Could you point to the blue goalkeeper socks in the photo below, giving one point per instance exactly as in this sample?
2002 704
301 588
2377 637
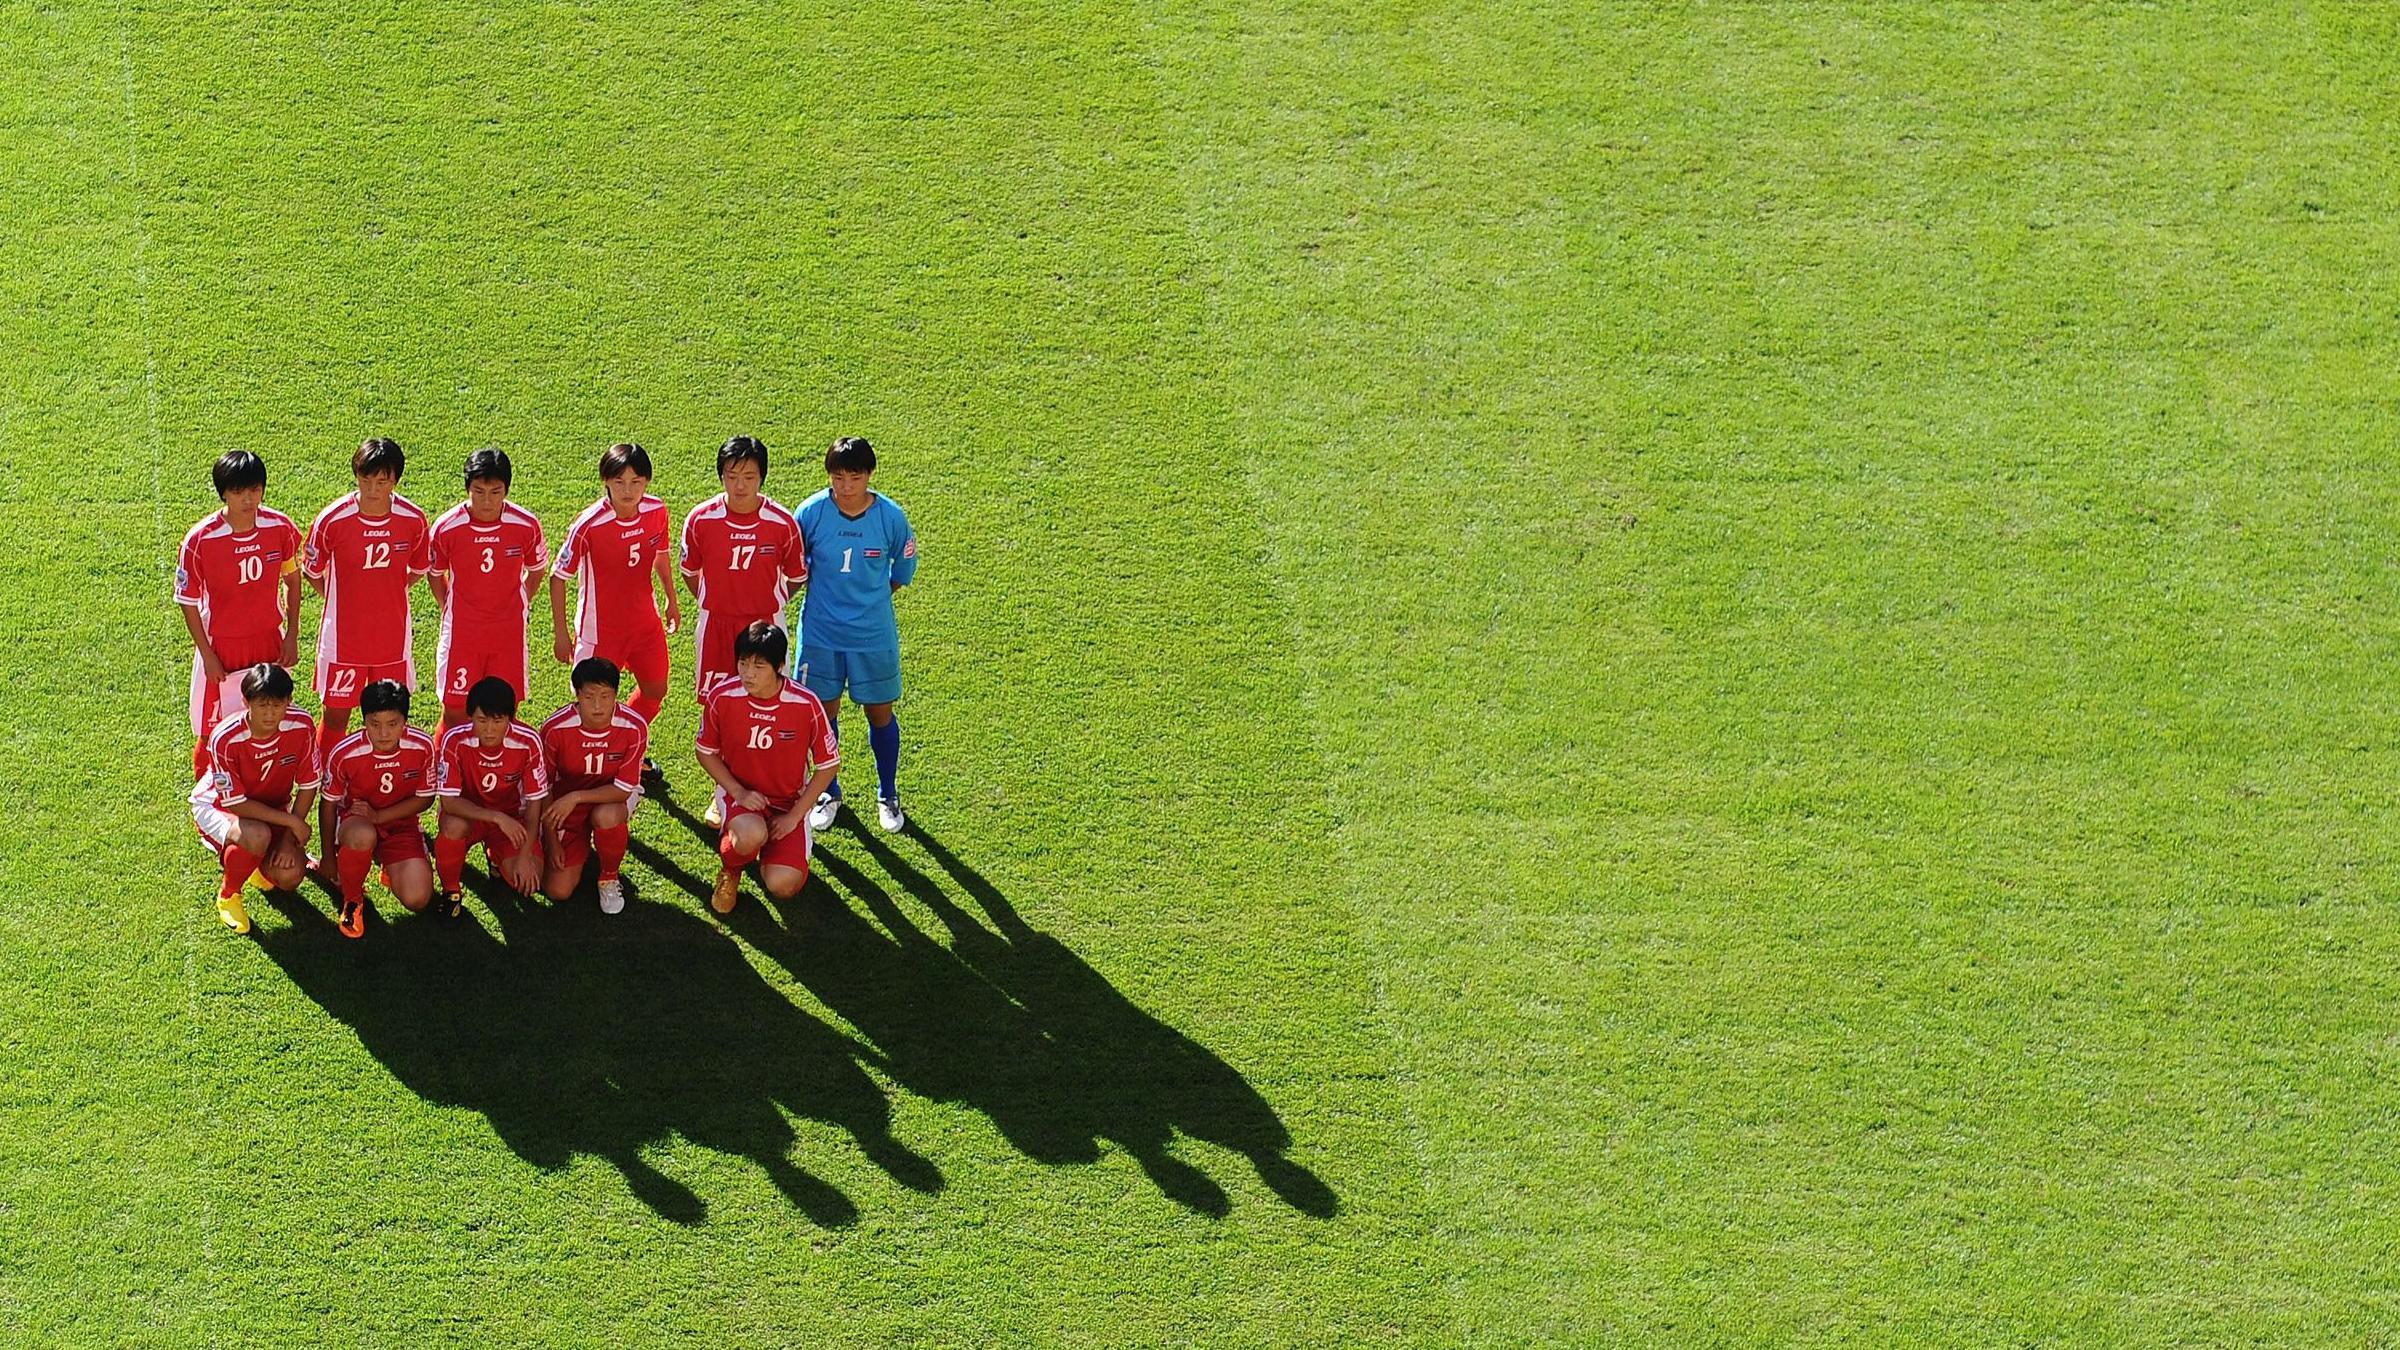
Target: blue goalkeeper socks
885 740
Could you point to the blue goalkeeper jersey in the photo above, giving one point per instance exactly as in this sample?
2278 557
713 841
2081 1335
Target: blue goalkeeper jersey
853 563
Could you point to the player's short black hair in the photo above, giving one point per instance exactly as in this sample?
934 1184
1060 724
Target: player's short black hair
383 696
624 455
763 640
739 448
594 670
266 680
850 453
238 469
492 697
379 454
489 464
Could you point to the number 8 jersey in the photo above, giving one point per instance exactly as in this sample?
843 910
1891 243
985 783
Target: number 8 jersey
366 566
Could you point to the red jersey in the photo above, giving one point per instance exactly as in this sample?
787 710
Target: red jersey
366 567
580 759
485 567
610 560
234 580
355 773
743 565
502 778
773 746
243 768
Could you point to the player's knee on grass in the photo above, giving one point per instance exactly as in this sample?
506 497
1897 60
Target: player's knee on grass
456 827
412 882
522 873
608 815
356 833
560 884
782 882
284 876
254 838
749 833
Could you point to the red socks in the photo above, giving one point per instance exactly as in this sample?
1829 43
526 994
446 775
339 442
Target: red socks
240 863
329 736
734 861
354 864
449 862
610 843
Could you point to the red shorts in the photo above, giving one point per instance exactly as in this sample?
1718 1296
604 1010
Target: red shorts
643 656
493 839
790 851
463 664
571 842
713 639
339 685
399 840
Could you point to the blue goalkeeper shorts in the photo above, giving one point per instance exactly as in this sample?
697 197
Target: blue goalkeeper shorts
868 677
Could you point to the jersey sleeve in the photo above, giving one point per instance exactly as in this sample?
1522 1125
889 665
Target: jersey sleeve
187 571
903 549
537 771
228 788
629 774
291 552
316 551
311 773
537 554
687 555
795 555
707 742
420 555
337 783
437 550
825 745
570 554
446 772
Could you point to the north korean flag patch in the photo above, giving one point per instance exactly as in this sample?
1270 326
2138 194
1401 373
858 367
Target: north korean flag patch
910 550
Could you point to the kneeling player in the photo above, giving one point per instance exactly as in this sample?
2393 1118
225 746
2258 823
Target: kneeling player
594 747
766 741
491 782
380 780
252 808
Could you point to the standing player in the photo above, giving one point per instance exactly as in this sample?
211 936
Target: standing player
595 748
381 781
238 584
491 780
741 557
488 559
363 554
252 808
860 552
615 551
769 746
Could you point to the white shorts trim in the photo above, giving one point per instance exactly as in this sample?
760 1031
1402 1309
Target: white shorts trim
228 702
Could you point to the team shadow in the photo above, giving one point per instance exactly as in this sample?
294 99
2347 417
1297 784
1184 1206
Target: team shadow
1009 1021
578 1033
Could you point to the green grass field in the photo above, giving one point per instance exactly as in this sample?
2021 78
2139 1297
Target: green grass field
1583 673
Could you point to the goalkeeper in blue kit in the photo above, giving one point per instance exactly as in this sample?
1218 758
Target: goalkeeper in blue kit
861 551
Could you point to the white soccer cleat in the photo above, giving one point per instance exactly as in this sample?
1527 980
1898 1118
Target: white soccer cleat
715 814
820 816
889 815
612 897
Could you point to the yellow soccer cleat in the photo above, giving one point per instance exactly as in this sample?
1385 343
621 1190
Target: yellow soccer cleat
229 909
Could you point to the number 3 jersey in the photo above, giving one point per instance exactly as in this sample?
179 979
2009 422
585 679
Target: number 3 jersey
357 773
366 565
499 778
772 745
485 567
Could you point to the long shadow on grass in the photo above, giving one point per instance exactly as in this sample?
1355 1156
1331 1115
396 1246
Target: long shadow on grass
1008 1020
575 1033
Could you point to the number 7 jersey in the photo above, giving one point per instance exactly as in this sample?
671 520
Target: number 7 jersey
366 565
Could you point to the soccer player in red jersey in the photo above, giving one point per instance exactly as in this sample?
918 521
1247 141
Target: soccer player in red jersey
488 559
381 780
252 808
595 747
363 554
237 581
616 550
741 557
769 746
491 777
